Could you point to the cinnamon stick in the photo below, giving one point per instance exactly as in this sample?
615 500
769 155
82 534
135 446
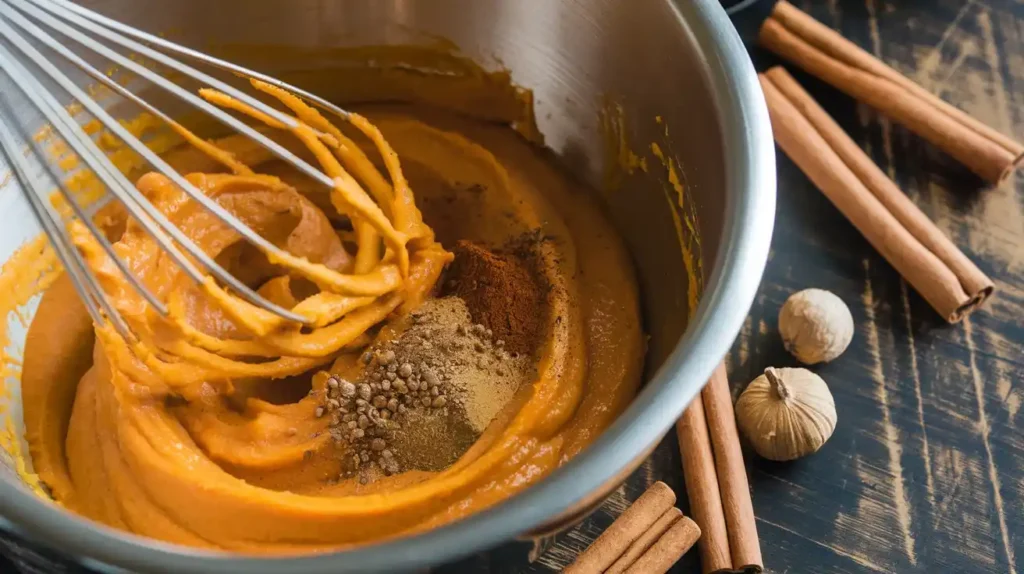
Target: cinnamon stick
702 488
668 549
732 474
925 257
821 51
628 527
646 540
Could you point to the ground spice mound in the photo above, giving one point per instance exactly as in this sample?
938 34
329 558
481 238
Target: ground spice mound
501 291
425 396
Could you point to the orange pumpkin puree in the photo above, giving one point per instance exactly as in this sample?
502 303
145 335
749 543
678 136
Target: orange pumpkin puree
201 435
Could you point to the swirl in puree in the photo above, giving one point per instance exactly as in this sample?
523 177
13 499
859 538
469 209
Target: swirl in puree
212 427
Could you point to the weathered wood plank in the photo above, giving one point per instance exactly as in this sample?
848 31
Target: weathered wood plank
921 475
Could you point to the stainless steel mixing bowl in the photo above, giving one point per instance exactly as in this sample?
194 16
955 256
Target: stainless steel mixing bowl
678 61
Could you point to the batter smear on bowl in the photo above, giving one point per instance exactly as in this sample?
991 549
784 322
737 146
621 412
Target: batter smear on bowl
413 397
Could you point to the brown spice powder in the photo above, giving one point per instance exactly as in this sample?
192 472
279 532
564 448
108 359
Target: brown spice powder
424 396
501 292
433 442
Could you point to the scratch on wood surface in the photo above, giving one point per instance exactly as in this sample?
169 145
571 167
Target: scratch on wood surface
576 540
950 465
996 225
568 547
648 470
862 110
983 428
948 411
964 514
918 395
617 503
930 63
876 37
892 439
789 484
746 331
858 559
557 558
833 10
1010 397
869 530
1001 207
994 60
950 69
982 91
1005 345
564 553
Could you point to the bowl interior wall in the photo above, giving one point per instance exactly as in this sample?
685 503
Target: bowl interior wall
582 59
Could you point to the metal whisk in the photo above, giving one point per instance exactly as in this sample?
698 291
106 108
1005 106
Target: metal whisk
25 24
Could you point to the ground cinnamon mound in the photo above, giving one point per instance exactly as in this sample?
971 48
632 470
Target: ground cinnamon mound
501 292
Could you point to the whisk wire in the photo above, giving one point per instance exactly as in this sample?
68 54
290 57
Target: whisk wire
27 86
200 56
80 142
87 29
86 67
84 282
130 196
177 91
125 192
159 80
78 210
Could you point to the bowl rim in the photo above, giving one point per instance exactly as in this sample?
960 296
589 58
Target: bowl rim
731 287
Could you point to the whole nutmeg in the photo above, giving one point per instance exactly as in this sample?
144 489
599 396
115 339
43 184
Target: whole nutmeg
786 413
816 326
